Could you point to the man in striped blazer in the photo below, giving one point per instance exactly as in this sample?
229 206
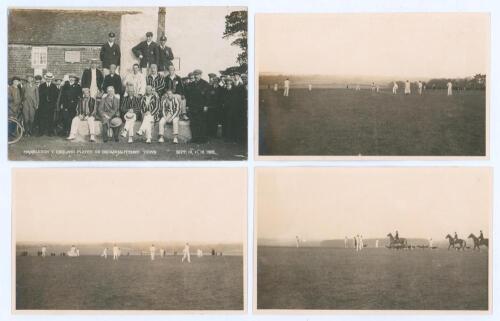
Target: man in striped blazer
150 108
170 105
156 81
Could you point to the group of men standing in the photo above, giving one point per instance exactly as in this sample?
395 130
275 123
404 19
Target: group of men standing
152 94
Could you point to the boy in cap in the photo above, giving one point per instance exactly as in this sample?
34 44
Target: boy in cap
147 51
110 54
165 56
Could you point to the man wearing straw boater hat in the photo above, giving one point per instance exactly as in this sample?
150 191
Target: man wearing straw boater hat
48 101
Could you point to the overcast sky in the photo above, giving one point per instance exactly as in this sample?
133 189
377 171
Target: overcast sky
320 203
403 45
129 205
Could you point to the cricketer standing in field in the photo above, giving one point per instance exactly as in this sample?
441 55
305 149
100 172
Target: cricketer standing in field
430 243
275 87
286 86
105 253
376 244
115 252
44 251
395 88
407 88
297 241
420 87
355 239
346 241
310 87
186 255
152 252
450 87
361 244
199 253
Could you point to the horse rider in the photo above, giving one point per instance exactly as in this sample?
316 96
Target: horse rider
455 238
481 236
396 236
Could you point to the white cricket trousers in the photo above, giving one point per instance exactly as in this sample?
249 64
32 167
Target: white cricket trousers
75 123
169 119
152 256
449 91
129 127
147 126
115 256
394 91
186 256
285 92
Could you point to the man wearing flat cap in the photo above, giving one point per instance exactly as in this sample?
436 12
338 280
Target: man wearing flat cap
198 107
110 54
166 56
47 105
148 52
70 94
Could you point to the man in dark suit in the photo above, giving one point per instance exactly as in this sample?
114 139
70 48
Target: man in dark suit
47 105
166 56
92 78
148 52
113 79
197 101
69 96
110 54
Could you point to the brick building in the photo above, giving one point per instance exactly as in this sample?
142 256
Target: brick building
64 41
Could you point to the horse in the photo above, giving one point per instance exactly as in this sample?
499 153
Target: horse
478 242
396 244
461 243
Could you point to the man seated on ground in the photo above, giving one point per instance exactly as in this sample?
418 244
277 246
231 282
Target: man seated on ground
109 113
170 110
85 111
150 113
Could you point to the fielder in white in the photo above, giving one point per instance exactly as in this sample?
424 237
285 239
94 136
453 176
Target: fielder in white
275 87
115 252
395 88
105 253
346 242
152 252
44 251
450 88
407 88
430 243
286 86
420 87
361 244
199 253
310 87
297 241
376 244
186 255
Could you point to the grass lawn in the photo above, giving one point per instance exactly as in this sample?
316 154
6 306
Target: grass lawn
342 122
131 283
374 279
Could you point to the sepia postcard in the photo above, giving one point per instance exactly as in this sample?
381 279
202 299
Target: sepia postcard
372 86
148 240
127 84
373 239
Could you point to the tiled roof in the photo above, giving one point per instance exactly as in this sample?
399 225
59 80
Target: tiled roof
62 27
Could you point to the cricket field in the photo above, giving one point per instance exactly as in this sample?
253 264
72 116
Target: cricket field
131 283
372 279
345 122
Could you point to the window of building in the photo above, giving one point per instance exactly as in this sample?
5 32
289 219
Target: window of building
39 57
